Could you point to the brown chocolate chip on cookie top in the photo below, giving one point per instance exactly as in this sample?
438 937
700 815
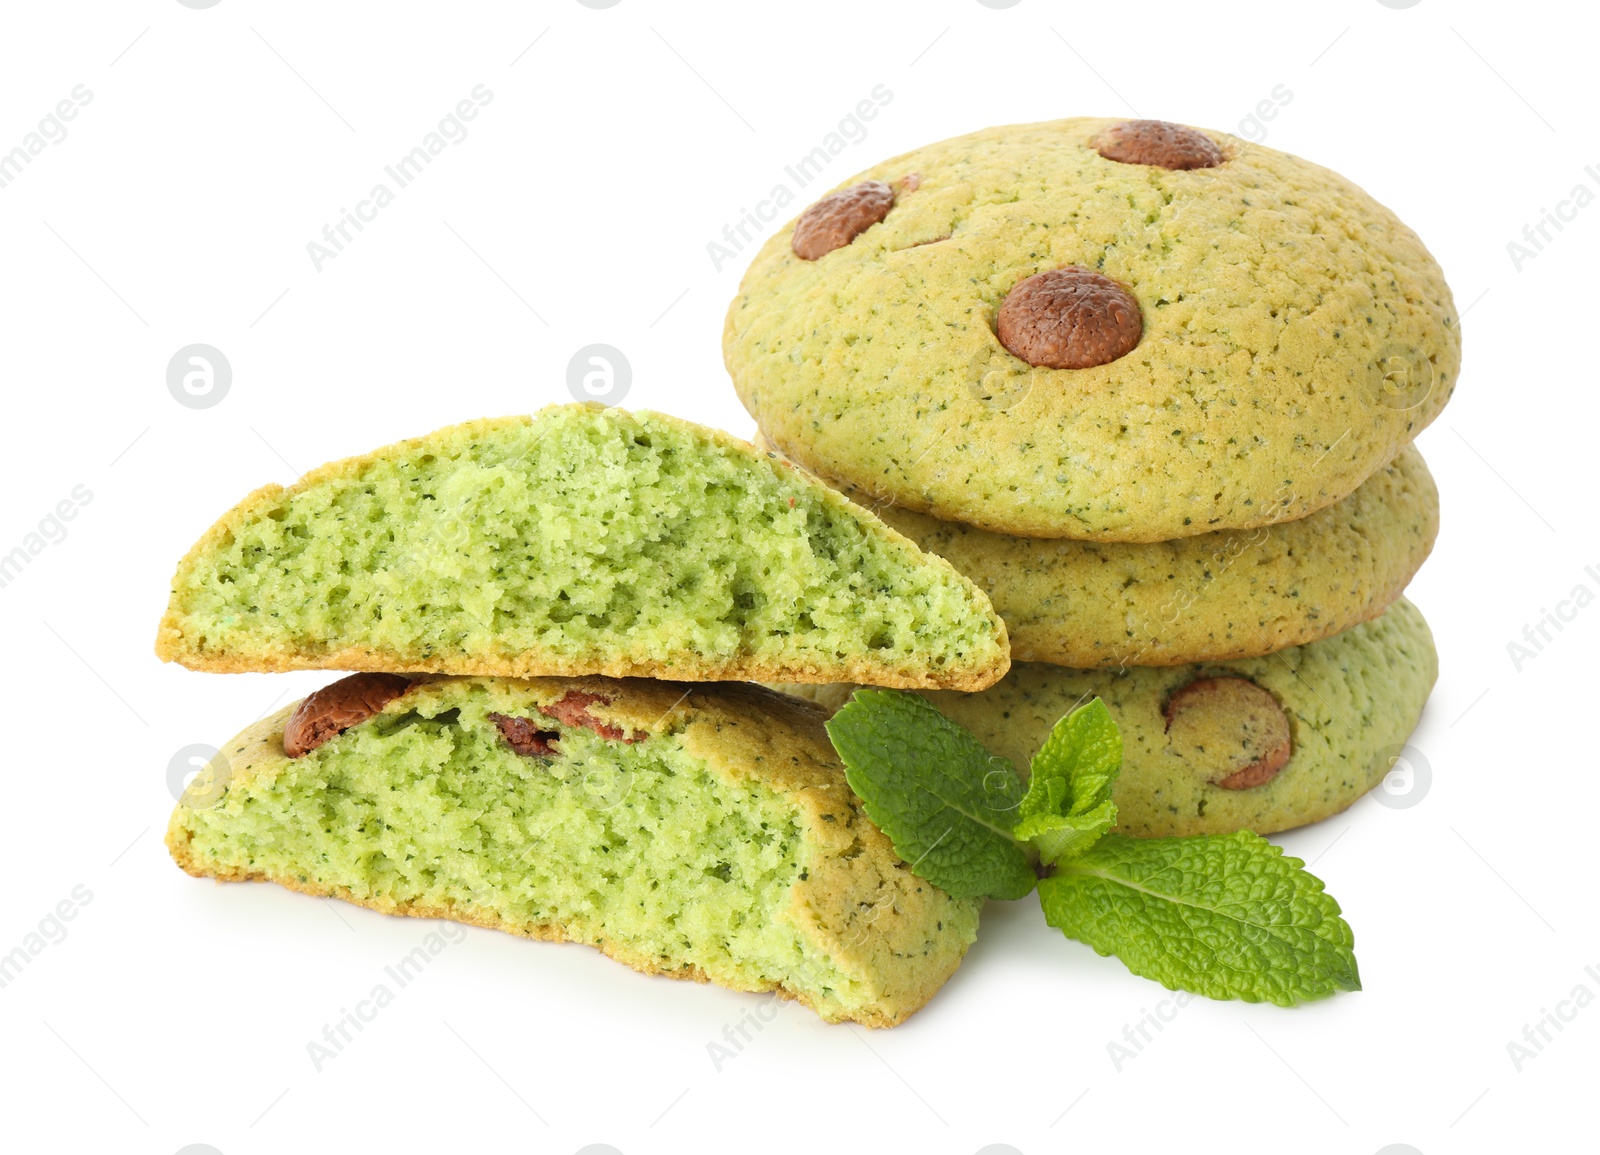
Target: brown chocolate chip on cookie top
1159 143
836 219
334 709
1069 318
1232 725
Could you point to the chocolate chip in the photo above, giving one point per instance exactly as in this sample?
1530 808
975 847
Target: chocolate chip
836 219
335 708
1255 774
573 709
525 737
1159 143
1234 722
1069 318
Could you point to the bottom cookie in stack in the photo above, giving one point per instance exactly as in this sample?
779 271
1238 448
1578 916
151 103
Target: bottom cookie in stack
699 831
1265 743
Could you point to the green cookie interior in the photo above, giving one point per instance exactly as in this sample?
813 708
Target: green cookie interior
668 857
584 540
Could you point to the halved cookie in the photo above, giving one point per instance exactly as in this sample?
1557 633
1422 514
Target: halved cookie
697 831
584 540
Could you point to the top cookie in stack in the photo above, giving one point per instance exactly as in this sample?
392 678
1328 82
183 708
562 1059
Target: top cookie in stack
1154 389
1111 331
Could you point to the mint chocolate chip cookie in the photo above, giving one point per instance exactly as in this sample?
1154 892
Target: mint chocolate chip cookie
1217 596
1120 331
1262 744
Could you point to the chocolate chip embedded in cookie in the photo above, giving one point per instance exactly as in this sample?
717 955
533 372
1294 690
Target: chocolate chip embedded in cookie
837 219
335 708
525 736
1231 724
528 738
1160 144
1377 676
573 709
1069 318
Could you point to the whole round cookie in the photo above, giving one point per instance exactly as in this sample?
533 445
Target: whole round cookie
1226 594
1114 331
1262 744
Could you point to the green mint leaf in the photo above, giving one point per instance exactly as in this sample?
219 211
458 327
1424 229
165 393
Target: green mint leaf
946 803
1068 805
1225 916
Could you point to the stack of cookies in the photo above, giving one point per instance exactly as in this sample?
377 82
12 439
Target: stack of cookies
1154 389
1139 401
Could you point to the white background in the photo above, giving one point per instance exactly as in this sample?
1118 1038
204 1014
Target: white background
178 208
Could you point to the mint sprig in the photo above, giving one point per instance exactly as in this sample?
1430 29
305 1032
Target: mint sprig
1226 916
1068 805
945 802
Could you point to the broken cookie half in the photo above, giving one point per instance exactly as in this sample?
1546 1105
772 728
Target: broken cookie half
698 831
584 540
